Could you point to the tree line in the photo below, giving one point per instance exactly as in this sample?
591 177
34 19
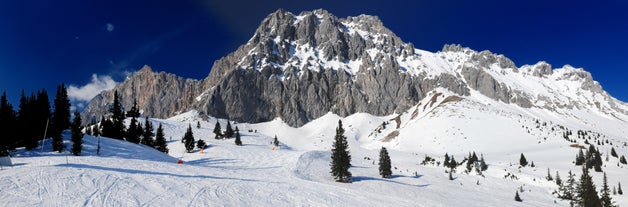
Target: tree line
34 120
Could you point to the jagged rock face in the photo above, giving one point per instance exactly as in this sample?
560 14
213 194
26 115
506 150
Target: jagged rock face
300 67
158 95
271 80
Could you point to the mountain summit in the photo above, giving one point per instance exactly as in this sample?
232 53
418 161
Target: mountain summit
300 67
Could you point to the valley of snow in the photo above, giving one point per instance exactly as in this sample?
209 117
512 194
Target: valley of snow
297 172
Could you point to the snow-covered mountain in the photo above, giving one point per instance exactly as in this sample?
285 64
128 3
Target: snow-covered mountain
299 74
300 67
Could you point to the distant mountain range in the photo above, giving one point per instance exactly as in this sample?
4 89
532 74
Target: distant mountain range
300 67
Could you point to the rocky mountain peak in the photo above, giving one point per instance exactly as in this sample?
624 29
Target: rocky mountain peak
301 67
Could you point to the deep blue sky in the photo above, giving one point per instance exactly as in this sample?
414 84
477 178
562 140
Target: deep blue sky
44 43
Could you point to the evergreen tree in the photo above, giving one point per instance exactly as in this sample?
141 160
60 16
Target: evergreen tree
559 181
107 127
238 141
96 130
135 111
384 163
580 158
88 130
517 198
340 157
8 122
117 116
133 133
77 134
446 161
188 139
587 195
42 115
160 140
619 191
474 158
276 141
198 124
201 144
549 176
483 165
606 199
229 130
522 161
60 118
567 191
532 164
453 164
613 153
218 130
147 135
597 161
622 160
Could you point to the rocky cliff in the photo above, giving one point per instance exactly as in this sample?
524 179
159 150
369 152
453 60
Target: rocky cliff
300 67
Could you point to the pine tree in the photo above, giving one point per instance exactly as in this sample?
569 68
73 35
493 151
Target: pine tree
622 160
613 153
42 115
453 164
117 116
77 134
218 130
229 130
522 161
96 130
60 118
188 139
587 195
532 164
517 198
135 111
276 141
559 181
580 158
88 131
549 176
147 133
384 163
483 165
8 127
198 124
133 133
597 161
606 199
238 141
619 191
160 140
201 144
446 161
340 157
107 127
567 191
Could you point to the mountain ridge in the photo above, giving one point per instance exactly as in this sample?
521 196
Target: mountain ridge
300 67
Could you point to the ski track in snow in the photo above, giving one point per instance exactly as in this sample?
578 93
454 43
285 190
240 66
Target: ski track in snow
297 172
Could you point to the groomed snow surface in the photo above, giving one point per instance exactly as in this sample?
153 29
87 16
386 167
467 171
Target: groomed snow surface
297 172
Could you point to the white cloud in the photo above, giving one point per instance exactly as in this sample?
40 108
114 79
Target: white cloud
110 27
93 88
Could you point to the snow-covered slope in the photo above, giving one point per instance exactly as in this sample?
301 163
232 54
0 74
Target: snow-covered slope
297 172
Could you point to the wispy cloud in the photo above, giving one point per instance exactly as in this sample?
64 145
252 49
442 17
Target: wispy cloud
110 27
86 92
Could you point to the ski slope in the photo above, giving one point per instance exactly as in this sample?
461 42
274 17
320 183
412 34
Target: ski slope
297 172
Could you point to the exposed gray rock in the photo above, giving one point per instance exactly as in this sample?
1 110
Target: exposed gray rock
258 82
158 95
